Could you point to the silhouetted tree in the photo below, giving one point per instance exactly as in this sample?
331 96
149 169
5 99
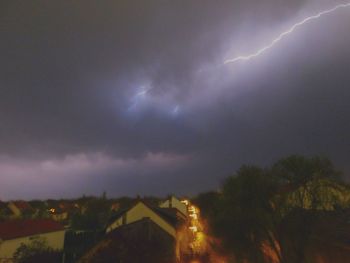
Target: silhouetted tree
245 219
264 206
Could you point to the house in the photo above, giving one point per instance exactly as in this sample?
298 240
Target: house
61 211
115 207
170 219
15 232
20 208
137 242
142 233
166 221
173 202
69 207
58 214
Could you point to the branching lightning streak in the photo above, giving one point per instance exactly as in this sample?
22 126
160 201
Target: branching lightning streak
284 34
143 92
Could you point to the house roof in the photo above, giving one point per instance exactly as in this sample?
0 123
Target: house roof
169 215
29 227
170 198
22 205
118 215
140 223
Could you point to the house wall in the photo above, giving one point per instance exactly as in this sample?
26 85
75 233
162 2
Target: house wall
60 216
143 241
16 212
54 240
175 203
141 211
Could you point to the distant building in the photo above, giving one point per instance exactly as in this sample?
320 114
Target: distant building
20 208
115 207
61 211
173 202
58 214
15 232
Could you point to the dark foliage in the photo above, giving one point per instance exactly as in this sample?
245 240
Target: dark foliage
37 251
254 207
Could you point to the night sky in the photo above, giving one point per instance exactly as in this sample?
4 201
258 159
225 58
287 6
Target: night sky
132 97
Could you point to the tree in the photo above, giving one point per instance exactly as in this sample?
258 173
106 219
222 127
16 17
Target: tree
262 210
245 219
95 217
310 185
298 170
310 180
208 203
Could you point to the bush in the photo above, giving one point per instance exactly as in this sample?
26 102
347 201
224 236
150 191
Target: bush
37 251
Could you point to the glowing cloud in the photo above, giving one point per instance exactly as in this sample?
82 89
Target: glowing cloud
139 96
284 34
143 93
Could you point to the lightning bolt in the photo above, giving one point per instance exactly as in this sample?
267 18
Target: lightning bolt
284 34
144 91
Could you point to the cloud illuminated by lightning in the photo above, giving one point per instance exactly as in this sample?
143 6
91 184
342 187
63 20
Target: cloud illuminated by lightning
284 34
175 111
138 97
143 92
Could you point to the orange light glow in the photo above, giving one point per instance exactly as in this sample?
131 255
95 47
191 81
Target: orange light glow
193 228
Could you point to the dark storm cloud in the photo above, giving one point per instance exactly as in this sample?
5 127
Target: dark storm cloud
69 72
